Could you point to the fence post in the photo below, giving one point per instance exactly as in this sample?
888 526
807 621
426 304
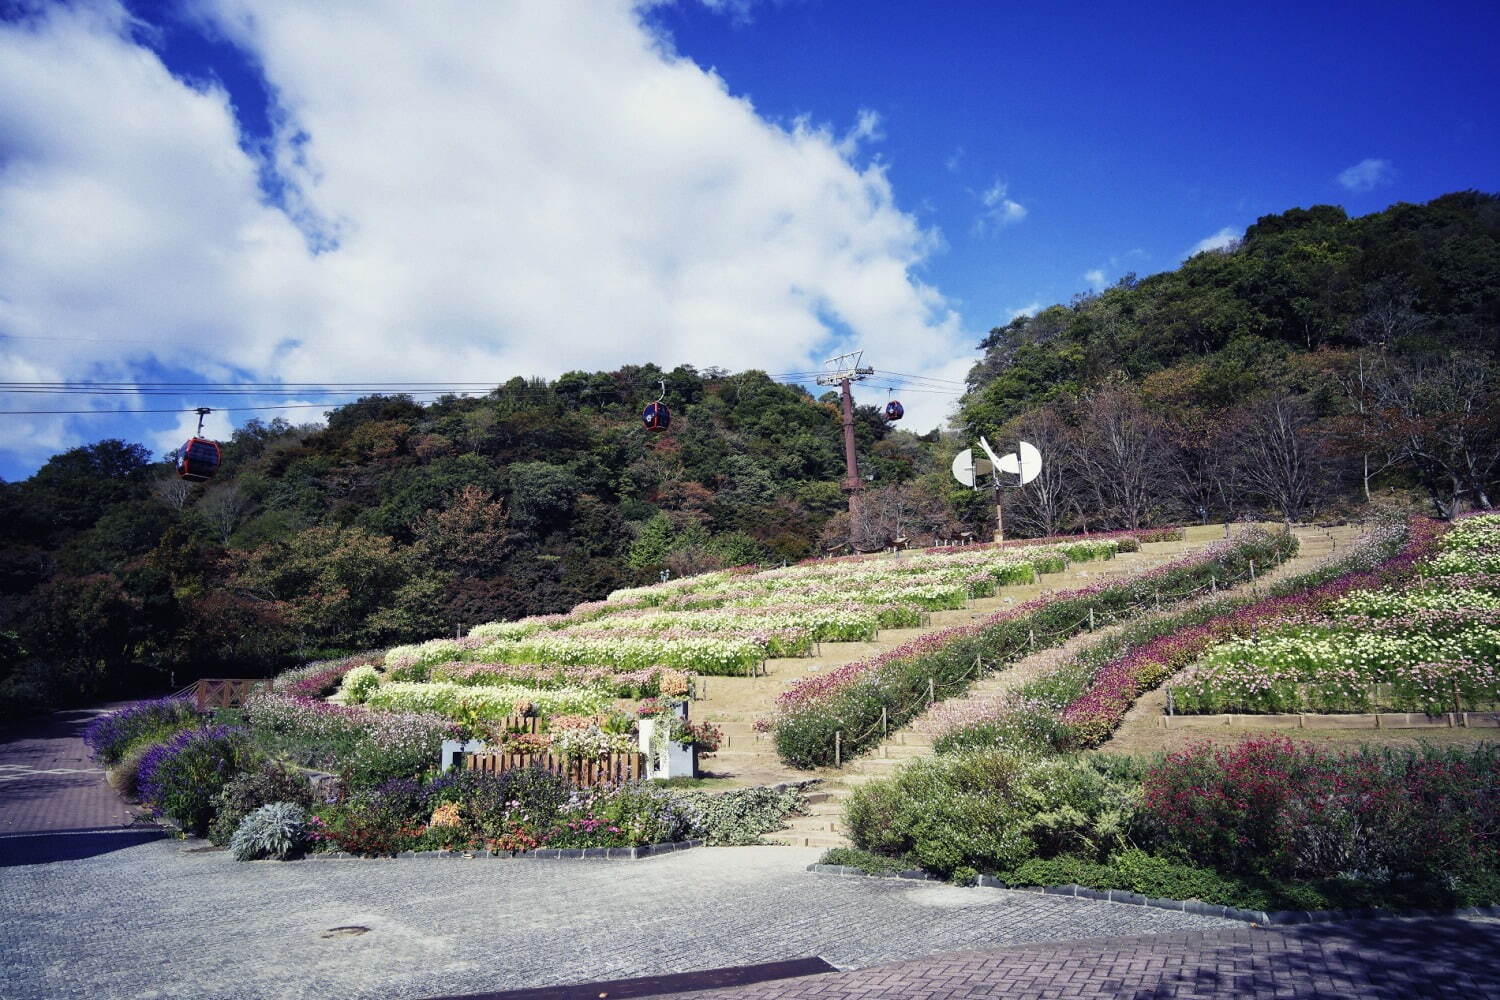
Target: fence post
838 748
1213 583
883 721
1031 637
1171 703
1091 619
931 691
1252 570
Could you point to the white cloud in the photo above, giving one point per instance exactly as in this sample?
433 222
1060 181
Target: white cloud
866 129
999 209
1225 239
954 160
1367 175
514 189
1030 309
1094 278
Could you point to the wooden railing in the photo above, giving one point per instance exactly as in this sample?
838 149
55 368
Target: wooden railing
226 692
610 769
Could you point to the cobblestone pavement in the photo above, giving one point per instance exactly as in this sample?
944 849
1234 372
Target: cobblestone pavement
161 920
48 782
1396 959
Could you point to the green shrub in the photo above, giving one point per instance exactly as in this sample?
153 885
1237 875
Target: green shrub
277 830
991 810
250 790
740 816
1136 871
853 857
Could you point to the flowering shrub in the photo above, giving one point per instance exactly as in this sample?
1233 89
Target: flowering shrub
359 683
471 706
181 778
1279 808
109 735
319 678
646 682
364 746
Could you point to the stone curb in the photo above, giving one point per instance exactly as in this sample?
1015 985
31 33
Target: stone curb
540 854
1264 918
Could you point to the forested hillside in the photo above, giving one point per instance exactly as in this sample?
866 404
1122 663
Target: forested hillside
1318 361
398 521
1321 362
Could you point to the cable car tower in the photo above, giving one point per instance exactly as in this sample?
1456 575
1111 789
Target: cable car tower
843 371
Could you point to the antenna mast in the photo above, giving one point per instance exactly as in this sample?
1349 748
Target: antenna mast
843 371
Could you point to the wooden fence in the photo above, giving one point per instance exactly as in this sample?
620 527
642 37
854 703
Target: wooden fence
611 769
226 692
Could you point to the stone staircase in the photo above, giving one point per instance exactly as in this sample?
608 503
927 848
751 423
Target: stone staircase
822 826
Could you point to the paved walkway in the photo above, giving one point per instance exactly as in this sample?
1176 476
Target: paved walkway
54 802
1396 959
162 920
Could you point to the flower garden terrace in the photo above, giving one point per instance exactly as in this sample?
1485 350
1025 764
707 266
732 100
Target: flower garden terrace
1263 822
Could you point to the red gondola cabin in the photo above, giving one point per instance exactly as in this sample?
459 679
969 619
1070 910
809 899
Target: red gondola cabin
199 460
656 417
894 410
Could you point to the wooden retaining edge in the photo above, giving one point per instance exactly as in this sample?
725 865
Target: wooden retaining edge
1366 720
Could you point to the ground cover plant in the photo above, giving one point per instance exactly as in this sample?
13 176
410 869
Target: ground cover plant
842 712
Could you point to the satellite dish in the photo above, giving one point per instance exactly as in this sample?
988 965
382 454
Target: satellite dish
1025 463
963 466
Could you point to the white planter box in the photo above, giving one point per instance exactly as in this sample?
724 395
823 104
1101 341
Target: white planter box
679 761
452 748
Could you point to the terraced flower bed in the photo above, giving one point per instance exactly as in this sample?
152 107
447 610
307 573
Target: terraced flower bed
1427 643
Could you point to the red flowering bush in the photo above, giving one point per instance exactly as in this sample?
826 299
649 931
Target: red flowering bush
1284 809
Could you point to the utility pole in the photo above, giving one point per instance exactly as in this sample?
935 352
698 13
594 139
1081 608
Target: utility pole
843 371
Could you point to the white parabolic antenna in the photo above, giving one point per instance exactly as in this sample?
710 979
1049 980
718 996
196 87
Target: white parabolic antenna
1025 463
963 466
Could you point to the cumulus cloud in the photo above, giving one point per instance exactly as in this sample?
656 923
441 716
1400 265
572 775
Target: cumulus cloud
1000 210
1030 309
1367 175
470 190
1225 239
1094 278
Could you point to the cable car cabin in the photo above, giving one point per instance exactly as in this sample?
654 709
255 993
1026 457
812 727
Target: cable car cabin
656 417
894 410
199 460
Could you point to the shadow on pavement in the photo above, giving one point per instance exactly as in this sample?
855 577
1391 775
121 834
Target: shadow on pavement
71 845
680 982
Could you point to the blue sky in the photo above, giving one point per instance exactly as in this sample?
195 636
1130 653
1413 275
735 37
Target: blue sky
259 191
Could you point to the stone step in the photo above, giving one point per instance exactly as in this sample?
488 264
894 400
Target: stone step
809 840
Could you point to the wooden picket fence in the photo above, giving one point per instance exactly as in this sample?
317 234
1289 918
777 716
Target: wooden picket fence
611 769
226 692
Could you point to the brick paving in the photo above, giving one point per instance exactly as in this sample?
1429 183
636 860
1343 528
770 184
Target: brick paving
49 782
165 919
1397 959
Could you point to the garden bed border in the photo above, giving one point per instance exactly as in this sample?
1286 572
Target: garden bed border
1194 906
540 854
1351 720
